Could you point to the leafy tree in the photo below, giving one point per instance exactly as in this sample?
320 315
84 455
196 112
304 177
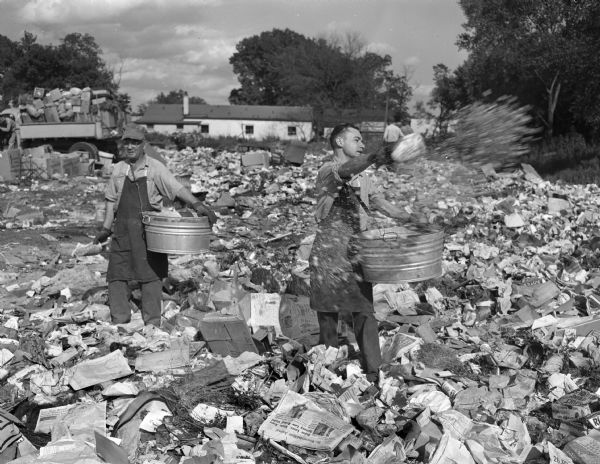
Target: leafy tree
254 63
124 101
176 96
81 64
542 52
282 67
8 53
76 61
141 108
448 96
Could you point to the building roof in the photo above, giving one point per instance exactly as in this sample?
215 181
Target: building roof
173 114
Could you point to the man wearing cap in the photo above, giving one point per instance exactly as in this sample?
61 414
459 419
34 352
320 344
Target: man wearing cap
138 183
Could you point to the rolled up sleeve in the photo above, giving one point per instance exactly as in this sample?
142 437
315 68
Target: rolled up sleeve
110 193
327 187
165 181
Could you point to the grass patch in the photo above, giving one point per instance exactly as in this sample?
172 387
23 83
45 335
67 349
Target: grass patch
567 158
436 356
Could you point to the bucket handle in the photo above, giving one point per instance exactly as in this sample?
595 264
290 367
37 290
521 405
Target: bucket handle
385 236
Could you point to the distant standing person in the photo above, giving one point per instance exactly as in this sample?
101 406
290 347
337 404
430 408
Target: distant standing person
336 280
9 130
395 131
138 183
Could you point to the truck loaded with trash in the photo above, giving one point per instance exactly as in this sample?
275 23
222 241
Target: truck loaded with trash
70 120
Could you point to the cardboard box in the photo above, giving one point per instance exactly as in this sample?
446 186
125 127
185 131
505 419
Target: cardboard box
55 94
69 164
108 119
38 92
37 152
295 152
227 335
178 355
10 164
582 329
575 405
298 321
256 158
583 449
51 113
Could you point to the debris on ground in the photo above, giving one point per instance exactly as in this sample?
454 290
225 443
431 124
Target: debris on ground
495 361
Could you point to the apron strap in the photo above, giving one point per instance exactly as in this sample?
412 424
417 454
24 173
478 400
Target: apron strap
137 187
359 200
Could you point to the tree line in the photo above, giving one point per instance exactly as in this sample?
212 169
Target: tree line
282 67
75 62
278 67
542 52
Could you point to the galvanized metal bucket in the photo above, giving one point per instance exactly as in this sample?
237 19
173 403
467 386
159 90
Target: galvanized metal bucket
176 235
397 254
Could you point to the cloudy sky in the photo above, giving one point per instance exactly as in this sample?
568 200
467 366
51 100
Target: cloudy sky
160 45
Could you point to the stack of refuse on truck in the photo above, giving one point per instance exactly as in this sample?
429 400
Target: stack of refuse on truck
72 105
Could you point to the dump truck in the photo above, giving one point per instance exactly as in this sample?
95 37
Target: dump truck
93 124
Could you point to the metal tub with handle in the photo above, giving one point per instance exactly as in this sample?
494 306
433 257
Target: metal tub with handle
176 235
397 254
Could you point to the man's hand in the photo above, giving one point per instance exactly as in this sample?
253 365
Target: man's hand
102 236
203 210
419 218
383 156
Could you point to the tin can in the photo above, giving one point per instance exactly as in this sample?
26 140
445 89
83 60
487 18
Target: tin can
450 388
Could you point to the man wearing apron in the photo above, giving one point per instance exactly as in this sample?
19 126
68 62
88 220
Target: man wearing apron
138 183
344 192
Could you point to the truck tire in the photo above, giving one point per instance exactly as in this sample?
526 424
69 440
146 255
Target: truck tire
90 148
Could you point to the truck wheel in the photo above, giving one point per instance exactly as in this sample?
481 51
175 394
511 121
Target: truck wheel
90 148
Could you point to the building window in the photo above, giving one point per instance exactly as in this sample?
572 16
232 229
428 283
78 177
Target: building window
150 126
249 130
179 126
291 130
204 128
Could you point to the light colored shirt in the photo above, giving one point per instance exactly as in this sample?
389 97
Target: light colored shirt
392 133
160 181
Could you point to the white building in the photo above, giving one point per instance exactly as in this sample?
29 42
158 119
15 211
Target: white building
252 122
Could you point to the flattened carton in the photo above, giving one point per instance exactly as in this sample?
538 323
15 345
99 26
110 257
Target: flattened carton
298 321
227 335
583 449
575 405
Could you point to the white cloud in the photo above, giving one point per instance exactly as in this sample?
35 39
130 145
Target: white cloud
338 26
170 44
412 61
96 11
143 79
381 48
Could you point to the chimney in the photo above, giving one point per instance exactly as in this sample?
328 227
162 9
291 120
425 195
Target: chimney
186 104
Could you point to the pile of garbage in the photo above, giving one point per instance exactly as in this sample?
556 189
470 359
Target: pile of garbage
494 362
74 104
